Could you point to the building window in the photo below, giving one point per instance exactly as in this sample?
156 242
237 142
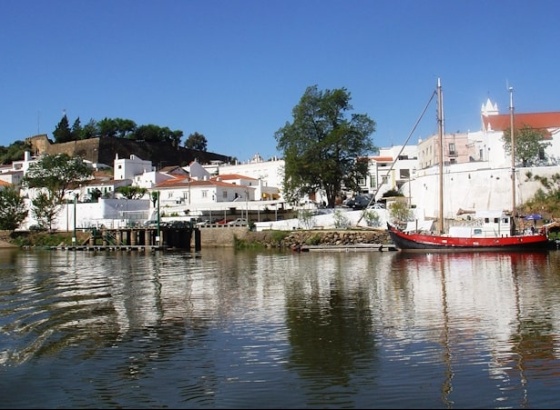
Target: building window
452 150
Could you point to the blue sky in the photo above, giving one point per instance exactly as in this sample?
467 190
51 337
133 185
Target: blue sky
234 70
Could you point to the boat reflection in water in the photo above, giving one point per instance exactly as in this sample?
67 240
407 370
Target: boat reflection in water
501 296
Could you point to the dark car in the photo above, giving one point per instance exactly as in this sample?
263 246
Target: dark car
358 202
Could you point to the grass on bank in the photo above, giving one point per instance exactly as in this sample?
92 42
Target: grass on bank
261 240
45 239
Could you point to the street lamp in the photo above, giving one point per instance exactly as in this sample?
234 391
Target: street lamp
247 205
158 221
74 234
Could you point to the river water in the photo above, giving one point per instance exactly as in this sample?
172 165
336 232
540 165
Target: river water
242 329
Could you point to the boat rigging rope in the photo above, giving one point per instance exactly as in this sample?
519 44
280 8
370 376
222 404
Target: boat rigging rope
434 93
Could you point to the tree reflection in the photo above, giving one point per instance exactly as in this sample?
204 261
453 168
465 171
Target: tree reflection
331 337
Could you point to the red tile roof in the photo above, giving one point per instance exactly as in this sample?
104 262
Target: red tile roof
186 182
383 159
541 120
232 176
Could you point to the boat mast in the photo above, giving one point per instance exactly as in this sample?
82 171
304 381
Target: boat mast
440 153
512 224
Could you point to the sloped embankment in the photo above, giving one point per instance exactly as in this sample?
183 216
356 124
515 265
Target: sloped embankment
293 239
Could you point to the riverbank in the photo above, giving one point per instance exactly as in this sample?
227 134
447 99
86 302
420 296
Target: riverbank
239 238
22 239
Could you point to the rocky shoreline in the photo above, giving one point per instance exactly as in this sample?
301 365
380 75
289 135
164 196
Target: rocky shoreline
299 238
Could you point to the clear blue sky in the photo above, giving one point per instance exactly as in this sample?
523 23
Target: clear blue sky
233 70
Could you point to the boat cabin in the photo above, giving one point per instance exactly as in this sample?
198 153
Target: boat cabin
484 224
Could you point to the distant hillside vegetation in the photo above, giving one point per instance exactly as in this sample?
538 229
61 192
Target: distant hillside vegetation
104 150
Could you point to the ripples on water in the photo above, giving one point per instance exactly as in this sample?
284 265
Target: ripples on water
227 329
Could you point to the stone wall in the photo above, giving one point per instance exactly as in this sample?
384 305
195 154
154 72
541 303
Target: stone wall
222 236
103 150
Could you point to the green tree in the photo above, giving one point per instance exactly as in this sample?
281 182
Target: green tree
547 197
12 208
400 212
371 217
175 138
52 176
44 209
107 127
77 130
131 192
529 143
14 152
196 141
95 194
89 130
306 218
322 145
62 132
124 128
150 132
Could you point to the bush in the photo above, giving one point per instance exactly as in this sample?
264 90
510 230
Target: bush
313 240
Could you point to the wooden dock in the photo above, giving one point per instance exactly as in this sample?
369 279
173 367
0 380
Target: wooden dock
143 239
361 247
96 248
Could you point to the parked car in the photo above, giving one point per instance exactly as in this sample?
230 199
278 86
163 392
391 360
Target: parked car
357 202
238 222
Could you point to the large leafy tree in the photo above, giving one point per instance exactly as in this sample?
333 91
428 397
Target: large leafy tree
12 208
322 145
529 143
52 176
196 141
124 128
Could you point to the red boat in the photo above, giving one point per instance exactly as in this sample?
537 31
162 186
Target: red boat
492 230
425 241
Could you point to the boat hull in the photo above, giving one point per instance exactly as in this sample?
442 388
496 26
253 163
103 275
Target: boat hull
419 242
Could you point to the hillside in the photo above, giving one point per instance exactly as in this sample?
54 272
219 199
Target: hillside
103 150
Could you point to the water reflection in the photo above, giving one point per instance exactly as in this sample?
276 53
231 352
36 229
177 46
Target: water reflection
269 329
491 308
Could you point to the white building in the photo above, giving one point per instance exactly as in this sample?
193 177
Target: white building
128 168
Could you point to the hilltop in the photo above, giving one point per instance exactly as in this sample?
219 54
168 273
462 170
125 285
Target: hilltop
104 150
